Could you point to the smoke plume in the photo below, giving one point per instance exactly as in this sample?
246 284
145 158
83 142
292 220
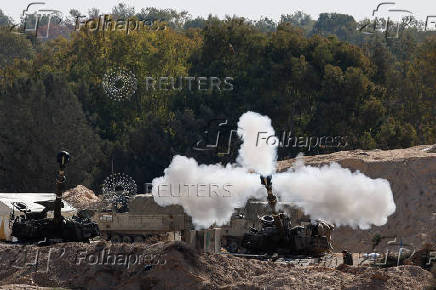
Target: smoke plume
209 193
336 194
256 153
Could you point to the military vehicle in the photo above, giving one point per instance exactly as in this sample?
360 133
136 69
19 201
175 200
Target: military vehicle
232 233
141 218
28 226
275 234
134 218
250 217
311 240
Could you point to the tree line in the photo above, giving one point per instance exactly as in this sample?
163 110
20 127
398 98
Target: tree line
311 77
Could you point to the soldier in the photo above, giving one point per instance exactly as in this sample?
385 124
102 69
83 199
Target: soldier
348 257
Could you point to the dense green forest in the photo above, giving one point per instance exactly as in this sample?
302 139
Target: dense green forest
311 77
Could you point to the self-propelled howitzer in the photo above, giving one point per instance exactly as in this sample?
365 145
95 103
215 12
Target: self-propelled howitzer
32 227
277 236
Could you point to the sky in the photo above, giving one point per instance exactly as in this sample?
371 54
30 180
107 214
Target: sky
253 9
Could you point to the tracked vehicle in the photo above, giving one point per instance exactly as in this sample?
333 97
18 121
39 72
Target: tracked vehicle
139 217
277 236
28 226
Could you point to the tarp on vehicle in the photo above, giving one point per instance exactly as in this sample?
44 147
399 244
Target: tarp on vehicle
29 202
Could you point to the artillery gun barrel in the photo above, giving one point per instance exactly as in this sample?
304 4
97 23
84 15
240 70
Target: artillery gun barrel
272 201
58 228
63 158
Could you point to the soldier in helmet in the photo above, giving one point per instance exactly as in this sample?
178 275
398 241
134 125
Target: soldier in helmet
348 257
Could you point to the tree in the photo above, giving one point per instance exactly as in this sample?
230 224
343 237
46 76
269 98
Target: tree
93 13
122 11
380 95
299 19
265 24
38 118
198 22
342 25
394 134
5 20
13 47
174 19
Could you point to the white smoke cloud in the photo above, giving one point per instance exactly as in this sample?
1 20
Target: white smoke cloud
213 192
256 152
331 192
336 194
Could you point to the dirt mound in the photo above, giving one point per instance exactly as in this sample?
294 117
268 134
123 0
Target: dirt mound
411 173
81 197
423 257
175 265
365 156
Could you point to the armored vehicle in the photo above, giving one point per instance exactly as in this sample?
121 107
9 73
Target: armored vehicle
142 217
276 235
28 226
312 239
